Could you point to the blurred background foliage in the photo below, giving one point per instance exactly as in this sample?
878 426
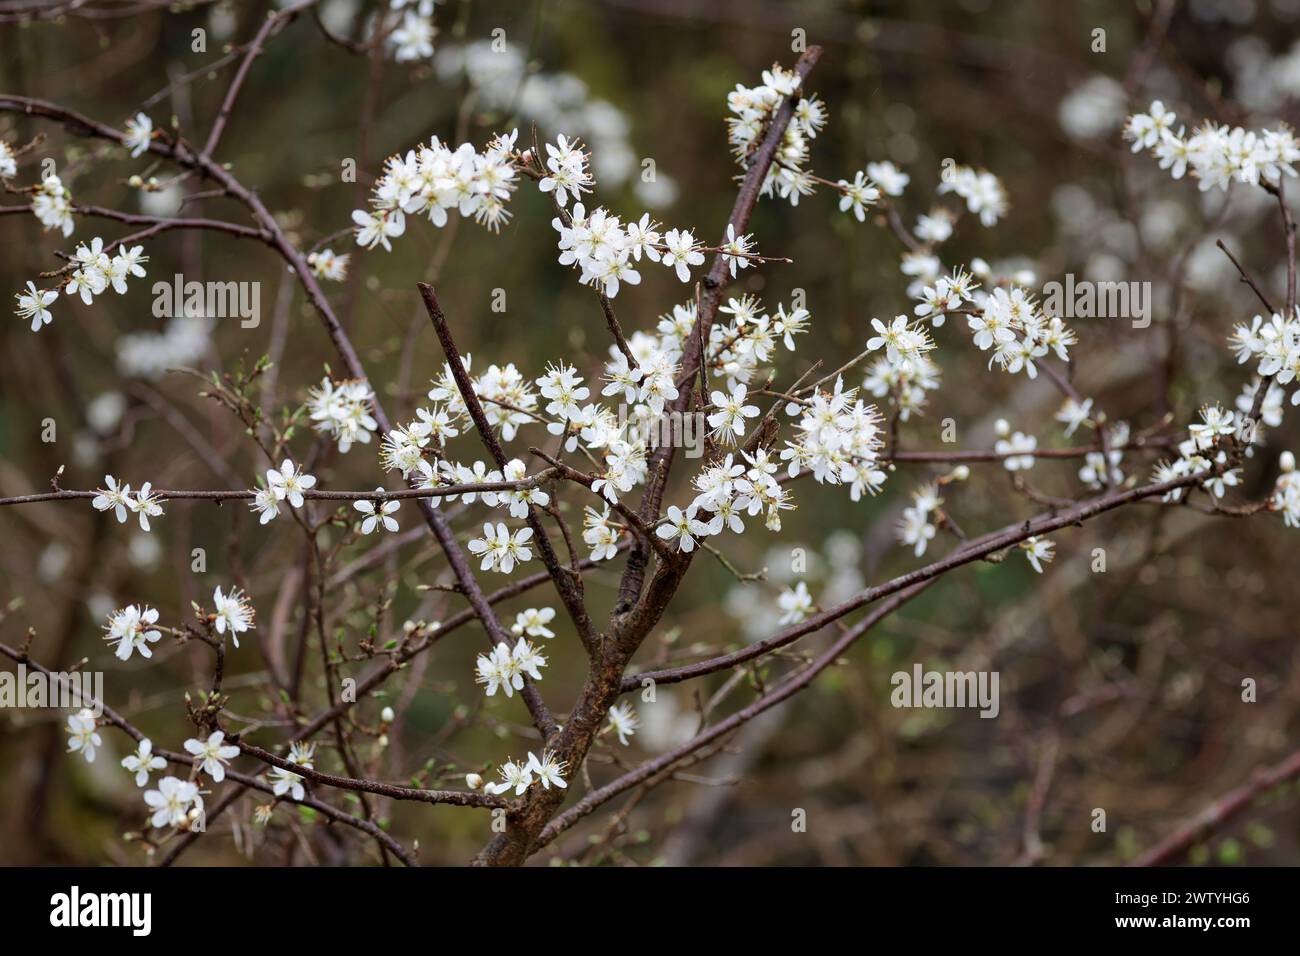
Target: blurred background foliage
1120 690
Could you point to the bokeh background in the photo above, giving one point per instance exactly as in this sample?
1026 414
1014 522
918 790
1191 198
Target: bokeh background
1120 690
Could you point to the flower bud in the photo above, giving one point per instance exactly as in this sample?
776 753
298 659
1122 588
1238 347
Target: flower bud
473 781
387 715
1003 428
960 473
1287 461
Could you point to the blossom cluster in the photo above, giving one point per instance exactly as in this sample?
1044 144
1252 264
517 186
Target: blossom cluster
1274 345
342 410
839 438
984 193
548 770
1217 155
506 666
119 499
286 483
52 204
93 272
753 108
1201 452
1286 493
435 179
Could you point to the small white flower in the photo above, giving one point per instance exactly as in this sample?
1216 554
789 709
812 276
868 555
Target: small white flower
413 40
231 612
682 252
266 504
533 621
888 177
289 483
1038 551
143 762
32 305
376 516
139 131
514 776
795 603
286 781
171 801
146 505
113 498
528 659
858 196
684 527
498 669
130 629
376 230
728 422
1018 449
736 250
1072 414
549 770
82 735
623 721
327 264
212 755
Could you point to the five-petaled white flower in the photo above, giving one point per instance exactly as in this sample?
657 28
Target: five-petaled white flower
728 422
143 762
139 131
532 621
212 755
514 776
145 504
32 305
682 252
859 195
113 498
623 721
327 264
266 504
549 770
1039 551
376 230
130 629
683 526
376 516
289 482
413 39
286 781
171 801
231 612
82 735
795 604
